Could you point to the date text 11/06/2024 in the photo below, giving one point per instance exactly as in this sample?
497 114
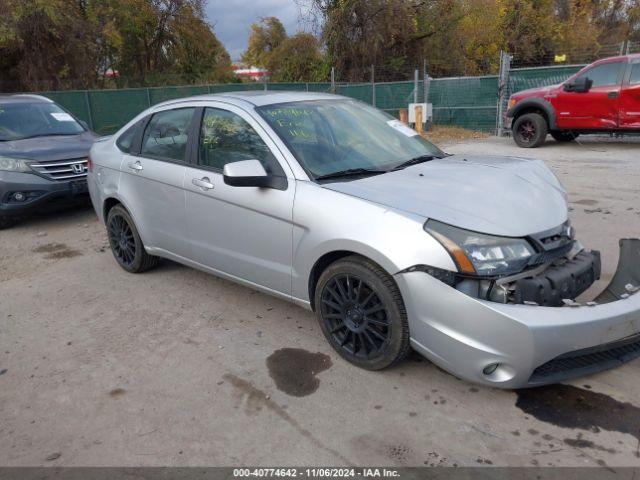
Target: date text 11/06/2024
316 472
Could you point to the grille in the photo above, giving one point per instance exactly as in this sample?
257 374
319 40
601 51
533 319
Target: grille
587 361
61 169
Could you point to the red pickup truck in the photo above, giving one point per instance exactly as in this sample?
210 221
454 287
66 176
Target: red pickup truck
602 97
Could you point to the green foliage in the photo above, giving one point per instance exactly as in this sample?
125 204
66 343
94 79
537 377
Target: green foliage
62 44
297 59
266 36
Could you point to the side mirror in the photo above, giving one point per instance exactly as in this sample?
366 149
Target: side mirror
251 173
579 85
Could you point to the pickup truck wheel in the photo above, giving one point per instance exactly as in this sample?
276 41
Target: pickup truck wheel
530 130
564 136
361 313
125 242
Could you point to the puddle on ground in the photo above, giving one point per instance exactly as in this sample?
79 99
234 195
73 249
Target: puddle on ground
57 251
567 406
294 370
586 201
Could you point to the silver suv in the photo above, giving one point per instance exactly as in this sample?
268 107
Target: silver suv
340 208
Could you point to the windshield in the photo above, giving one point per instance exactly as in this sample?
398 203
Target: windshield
332 136
26 120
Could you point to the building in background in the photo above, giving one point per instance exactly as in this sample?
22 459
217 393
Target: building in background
251 73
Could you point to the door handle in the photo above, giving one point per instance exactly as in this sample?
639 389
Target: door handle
204 183
137 166
613 94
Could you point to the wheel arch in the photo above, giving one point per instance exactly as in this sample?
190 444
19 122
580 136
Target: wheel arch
535 105
330 257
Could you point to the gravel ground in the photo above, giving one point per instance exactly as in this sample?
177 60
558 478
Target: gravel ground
175 367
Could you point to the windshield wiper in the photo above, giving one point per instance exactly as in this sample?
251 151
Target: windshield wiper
414 161
351 172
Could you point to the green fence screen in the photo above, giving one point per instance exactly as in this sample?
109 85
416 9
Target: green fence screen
468 102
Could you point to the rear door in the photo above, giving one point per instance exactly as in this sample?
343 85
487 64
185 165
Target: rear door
153 177
245 232
597 109
630 97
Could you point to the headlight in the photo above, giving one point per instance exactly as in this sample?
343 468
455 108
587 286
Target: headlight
512 102
14 165
479 254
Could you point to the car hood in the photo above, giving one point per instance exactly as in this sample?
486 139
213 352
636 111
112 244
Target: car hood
49 148
507 196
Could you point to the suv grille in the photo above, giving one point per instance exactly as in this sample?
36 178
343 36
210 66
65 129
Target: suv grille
61 169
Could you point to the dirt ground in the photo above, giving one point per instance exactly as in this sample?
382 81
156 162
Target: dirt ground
175 367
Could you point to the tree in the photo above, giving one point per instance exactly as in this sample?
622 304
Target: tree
61 44
362 33
297 59
265 37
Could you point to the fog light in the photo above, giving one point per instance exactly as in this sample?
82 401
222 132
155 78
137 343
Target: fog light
489 369
19 197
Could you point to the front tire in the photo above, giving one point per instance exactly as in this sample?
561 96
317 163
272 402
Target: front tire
126 244
563 137
361 313
530 130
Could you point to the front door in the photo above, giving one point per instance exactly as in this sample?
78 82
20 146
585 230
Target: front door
630 98
245 232
596 109
153 177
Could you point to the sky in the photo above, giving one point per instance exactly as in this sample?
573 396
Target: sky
232 19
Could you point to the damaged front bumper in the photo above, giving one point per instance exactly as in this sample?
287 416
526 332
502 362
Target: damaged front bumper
512 346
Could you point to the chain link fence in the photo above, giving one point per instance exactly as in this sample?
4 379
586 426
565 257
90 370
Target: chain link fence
476 103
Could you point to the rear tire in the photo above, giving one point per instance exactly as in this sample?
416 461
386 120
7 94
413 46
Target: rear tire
361 313
530 130
563 137
126 244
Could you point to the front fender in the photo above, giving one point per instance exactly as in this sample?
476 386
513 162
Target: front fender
535 102
327 221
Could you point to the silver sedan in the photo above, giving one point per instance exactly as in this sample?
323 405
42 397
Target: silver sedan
342 209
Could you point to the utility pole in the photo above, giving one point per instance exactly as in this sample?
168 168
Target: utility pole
333 80
416 80
373 85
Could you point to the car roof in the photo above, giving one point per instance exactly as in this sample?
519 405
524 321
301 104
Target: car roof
24 98
258 98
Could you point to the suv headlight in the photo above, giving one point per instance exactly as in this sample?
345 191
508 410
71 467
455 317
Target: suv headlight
9 164
480 254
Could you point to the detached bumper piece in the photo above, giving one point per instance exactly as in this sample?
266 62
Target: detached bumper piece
587 361
559 282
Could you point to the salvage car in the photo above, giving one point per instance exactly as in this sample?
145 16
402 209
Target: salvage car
43 155
603 97
334 205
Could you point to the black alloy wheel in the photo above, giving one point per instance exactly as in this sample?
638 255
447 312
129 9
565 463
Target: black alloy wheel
125 242
355 316
530 130
361 313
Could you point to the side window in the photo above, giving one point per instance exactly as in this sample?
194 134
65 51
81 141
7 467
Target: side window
167 134
635 74
125 141
226 138
604 75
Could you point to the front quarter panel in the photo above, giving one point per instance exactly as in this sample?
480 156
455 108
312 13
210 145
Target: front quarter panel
326 221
